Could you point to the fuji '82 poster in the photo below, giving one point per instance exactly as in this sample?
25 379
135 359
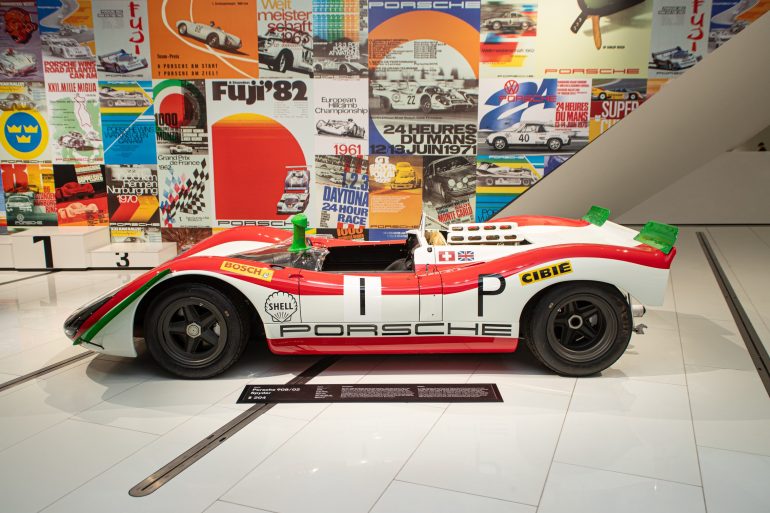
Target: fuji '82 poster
423 93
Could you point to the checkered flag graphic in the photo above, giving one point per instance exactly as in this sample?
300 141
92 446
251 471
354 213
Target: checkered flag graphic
184 195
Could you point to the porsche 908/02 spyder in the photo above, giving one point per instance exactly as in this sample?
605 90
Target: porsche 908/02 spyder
563 286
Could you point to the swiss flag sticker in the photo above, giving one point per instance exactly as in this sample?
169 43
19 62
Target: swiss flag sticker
446 256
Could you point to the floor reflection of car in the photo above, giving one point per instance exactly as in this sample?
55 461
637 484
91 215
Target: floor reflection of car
530 134
491 175
450 177
405 177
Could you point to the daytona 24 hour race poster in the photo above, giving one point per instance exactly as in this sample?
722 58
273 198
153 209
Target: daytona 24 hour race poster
267 119
341 194
423 91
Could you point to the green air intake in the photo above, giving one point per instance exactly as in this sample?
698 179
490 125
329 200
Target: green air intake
299 243
597 215
658 235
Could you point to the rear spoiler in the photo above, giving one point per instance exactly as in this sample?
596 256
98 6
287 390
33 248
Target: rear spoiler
658 235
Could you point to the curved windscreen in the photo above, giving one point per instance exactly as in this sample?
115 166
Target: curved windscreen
311 258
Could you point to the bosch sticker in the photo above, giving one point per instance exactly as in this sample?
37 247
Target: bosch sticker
259 273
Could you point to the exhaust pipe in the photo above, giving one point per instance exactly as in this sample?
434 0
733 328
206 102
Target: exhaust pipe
637 310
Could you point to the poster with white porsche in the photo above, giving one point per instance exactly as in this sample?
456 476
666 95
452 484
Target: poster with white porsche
341 116
122 33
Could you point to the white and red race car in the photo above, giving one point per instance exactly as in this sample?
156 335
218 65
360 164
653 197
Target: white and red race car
564 286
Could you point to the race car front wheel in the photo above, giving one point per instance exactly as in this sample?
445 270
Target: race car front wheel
182 28
195 331
500 143
579 329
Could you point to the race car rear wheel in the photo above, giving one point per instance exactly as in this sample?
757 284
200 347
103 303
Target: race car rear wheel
554 144
425 105
195 331
497 25
182 28
579 329
212 40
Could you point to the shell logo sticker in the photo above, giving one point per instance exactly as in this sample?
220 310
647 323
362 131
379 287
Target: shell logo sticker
545 273
253 271
280 306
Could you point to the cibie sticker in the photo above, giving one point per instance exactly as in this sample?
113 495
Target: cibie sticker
259 273
280 306
545 273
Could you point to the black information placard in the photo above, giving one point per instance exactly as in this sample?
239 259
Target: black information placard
387 393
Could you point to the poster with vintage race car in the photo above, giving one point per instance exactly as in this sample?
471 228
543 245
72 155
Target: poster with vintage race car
29 194
395 191
180 118
508 36
122 33
730 17
270 118
128 122
24 128
285 38
501 179
340 35
132 197
200 40
533 116
341 116
66 31
81 195
341 194
423 90
448 189
613 100
679 36
20 47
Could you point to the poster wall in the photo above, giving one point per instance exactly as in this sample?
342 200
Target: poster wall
132 197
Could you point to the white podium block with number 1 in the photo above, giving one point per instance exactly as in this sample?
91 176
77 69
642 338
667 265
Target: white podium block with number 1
57 248
133 255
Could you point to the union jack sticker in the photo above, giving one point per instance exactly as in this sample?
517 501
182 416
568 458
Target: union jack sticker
465 256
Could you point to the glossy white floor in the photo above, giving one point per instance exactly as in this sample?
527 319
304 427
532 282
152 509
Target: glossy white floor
680 424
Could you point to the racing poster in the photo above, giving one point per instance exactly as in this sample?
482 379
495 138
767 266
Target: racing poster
180 118
395 191
341 116
20 47
185 192
533 116
261 139
730 17
132 197
67 32
25 131
122 33
612 100
570 44
448 190
501 179
508 37
340 38
3 218
286 37
341 195
81 195
185 238
679 36
128 123
29 194
199 40
423 93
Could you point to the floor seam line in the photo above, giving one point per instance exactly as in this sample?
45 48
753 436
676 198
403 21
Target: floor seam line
653 478
734 450
466 493
239 504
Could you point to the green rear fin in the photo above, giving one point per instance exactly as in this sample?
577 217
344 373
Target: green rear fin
299 242
597 215
658 235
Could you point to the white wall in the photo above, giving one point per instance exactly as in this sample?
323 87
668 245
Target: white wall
734 188
710 109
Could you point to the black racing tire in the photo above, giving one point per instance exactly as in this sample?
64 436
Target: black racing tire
499 143
554 144
602 96
633 96
425 104
526 182
283 62
212 40
385 104
497 25
578 328
222 327
182 28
